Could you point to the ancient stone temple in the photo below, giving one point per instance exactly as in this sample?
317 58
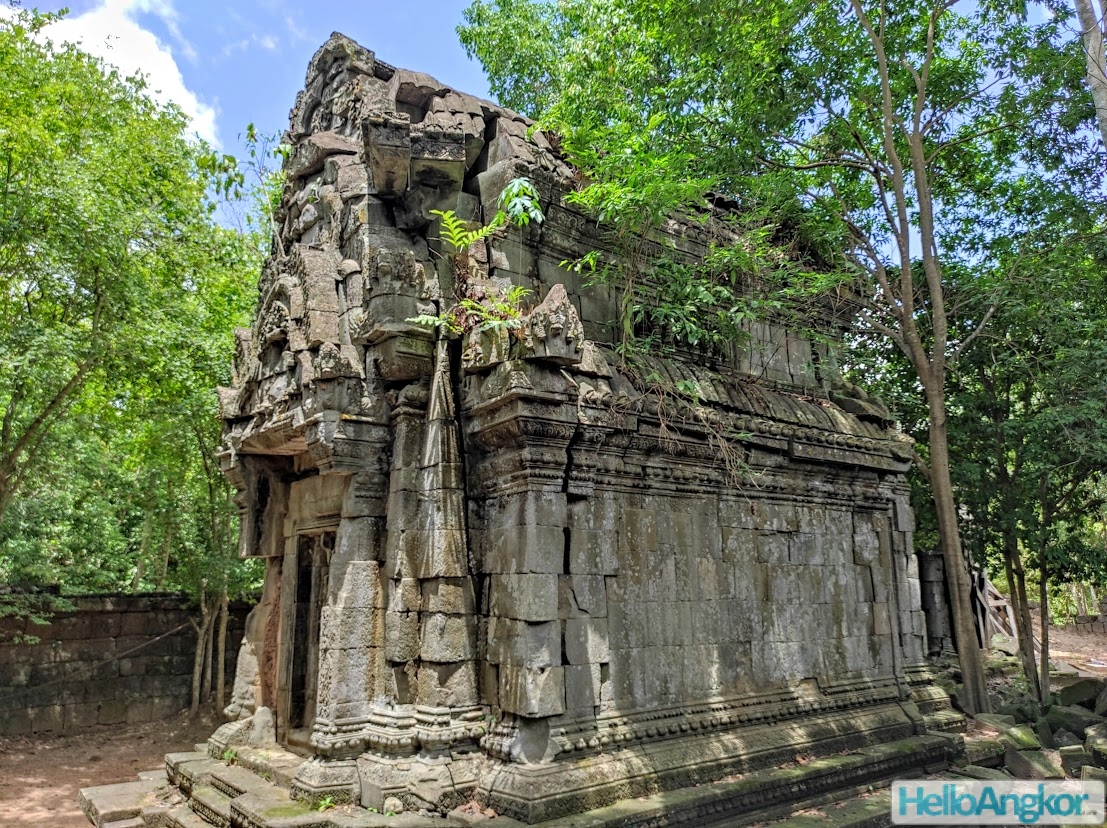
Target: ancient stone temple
501 569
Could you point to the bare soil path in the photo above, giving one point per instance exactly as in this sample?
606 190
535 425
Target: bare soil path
40 775
1086 651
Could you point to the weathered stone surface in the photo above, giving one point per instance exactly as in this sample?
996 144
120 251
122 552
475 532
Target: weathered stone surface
532 691
1032 764
1073 758
1021 737
1074 719
1083 692
996 722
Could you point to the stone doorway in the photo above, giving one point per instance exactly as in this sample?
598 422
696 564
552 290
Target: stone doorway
306 570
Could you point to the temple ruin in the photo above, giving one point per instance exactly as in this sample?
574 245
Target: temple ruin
497 569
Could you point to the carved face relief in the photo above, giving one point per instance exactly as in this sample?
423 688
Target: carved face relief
274 324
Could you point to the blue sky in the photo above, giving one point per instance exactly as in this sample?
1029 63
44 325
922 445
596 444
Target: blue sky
235 62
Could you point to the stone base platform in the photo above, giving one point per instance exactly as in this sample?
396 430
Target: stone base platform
197 791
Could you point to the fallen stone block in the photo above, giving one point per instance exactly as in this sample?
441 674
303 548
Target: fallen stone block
1021 737
1090 772
1032 764
1083 692
1045 735
1075 719
1073 758
1096 744
104 804
987 774
1064 738
996 722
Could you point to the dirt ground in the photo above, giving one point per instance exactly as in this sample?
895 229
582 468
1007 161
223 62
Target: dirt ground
40 775
1083 650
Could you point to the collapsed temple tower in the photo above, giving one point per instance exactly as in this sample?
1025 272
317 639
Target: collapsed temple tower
498 570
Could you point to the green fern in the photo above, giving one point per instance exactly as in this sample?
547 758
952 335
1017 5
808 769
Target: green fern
460 235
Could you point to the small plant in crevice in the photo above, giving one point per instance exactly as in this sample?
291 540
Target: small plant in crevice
230 756
477 307
325 804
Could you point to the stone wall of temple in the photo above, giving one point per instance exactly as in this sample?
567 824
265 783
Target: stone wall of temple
503 564
115 659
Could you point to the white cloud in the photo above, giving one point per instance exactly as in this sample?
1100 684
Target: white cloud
111 31
267 42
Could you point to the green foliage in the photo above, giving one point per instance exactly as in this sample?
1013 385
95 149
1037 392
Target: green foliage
519 203
119 292
500 310
461 235
326 803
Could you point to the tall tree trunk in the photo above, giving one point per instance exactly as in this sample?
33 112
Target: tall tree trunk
201 646
1043 595
1016 587
1080 598
964 628
167 541
209 642
143 548
1043 586
1091 28
221 654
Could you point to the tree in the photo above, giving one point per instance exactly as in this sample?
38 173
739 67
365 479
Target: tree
120 293
865 130
100 208
1092 21
1027 424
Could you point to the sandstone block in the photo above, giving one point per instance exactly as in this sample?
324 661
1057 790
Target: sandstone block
522 643
594 552
387 144
586 640
448 595
531 691
581 595
534 548
526 597
582 686
401 640
447 638
448 685
1073 719
1021 737
360 586
1032 764
1081 692
405 595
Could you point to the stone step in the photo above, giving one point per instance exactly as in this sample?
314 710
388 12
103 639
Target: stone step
133 822
267 807
212 805
188 774
181 816
159 775
274 764
234 780
105 804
